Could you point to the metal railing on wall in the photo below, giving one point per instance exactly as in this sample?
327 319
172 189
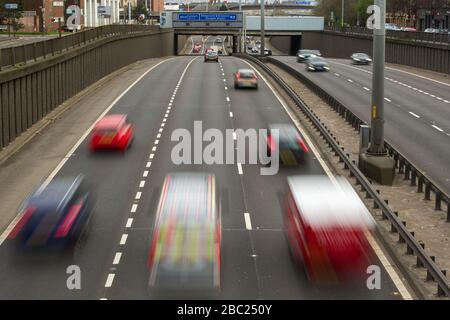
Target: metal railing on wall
29 93
20 55
424 37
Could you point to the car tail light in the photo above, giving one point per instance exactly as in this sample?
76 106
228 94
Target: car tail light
27 213
238 75
151 253
271 142
70 218
302 144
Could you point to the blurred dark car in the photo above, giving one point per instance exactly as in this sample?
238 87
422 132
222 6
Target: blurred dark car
317 64
305 54
185 250
360 58
291 147
211 55
54 216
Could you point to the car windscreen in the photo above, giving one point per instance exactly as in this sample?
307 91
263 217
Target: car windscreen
246 74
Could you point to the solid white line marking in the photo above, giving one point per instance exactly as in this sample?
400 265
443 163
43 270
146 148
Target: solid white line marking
231 114
248 222
117 257
78 143
413 114
389 268
134 208
129 222
437 128
239 165
123 240
109 280
416 75
142 184
138 195
145 174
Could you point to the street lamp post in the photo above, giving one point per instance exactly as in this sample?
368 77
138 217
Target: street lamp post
377 114
342 14
262 29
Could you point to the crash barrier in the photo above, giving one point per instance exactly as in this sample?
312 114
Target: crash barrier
424 55
413 247
427 37
31 91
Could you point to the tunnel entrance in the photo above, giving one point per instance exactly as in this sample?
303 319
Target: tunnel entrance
197 44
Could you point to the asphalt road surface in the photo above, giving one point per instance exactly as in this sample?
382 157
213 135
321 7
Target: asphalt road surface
256 262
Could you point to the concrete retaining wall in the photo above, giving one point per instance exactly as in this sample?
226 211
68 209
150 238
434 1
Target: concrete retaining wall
30 92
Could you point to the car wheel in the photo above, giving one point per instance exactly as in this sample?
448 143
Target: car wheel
256 87
236 86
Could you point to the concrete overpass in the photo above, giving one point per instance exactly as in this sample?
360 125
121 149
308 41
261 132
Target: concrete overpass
231 23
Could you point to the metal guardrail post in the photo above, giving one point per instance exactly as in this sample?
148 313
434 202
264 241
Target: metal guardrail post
13 56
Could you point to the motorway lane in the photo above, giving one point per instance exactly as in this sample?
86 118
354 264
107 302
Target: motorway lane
411 116
114 175
255 263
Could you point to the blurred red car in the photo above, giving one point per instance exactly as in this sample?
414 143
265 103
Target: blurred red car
326 224
112 132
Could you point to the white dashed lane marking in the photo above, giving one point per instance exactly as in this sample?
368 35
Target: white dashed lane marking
239 165
109 280
248 222
123 239
117 258
414 115
134 208
437 128
129 223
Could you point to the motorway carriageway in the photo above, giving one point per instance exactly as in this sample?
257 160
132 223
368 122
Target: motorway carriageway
256 262
417 110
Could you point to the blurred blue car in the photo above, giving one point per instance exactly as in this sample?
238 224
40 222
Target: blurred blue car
53 216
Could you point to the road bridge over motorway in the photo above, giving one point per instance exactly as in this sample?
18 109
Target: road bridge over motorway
231 23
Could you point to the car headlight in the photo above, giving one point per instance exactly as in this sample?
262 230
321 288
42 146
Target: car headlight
311 68
301 56
370 60
356 59
326 68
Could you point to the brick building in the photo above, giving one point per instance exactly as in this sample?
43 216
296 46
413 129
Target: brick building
46 11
